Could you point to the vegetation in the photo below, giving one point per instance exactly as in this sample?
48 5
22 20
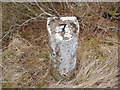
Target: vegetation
25 56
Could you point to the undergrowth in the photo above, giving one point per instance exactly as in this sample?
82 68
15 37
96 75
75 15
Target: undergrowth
25 57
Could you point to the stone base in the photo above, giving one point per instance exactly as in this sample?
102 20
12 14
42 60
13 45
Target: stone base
56 75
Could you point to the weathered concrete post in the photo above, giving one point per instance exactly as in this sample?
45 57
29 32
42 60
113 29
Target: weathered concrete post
63 41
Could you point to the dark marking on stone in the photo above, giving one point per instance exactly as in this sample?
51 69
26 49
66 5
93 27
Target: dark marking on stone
52 20
63 27
57 18
53 54
57 53
49 23
75 31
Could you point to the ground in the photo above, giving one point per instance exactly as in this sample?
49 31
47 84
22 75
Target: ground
26 61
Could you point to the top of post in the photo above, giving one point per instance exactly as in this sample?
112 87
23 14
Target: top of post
63 28
64 18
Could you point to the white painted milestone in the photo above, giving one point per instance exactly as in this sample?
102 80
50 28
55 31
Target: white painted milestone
63 39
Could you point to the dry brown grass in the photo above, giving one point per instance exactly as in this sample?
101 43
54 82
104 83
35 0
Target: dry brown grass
26 62
26 65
